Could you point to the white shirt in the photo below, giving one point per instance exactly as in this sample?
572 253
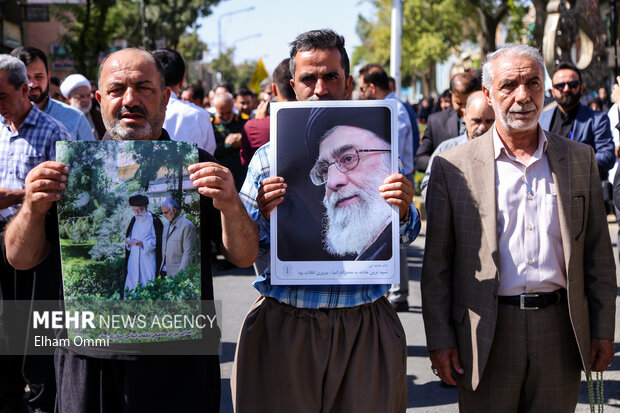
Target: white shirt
613 121
187 122
530 243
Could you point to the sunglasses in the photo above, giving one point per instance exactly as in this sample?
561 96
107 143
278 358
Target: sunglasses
572 84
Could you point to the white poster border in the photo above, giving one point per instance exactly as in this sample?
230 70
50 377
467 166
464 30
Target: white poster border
334 272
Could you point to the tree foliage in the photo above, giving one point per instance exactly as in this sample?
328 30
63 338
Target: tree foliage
191 47
169 19
151 158
434 30
237 75
90 29
94 24
431 32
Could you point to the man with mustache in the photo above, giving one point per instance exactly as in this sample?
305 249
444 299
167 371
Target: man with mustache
27 137
133 101
518 280
38 84
346 339
479 118
575 121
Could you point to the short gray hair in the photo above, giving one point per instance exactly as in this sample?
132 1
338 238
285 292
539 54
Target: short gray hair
512 51
15 68
171 204
223 97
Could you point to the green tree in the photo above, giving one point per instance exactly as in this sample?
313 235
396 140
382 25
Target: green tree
88 182
151 157
90 30
431 32
191 47
237 75
225 65
169 19
93 24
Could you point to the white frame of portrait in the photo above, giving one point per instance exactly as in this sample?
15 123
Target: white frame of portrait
288 272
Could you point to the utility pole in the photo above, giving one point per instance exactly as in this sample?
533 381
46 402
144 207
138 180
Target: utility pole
143 24
395 43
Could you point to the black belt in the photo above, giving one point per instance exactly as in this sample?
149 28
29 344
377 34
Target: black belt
534 301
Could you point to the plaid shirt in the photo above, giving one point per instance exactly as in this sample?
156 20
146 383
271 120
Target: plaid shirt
33 143
309 296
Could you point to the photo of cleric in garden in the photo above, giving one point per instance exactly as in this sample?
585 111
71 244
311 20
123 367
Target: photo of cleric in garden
128 221
333 182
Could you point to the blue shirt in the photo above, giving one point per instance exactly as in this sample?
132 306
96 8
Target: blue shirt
33 143
308 296
405 135
74 120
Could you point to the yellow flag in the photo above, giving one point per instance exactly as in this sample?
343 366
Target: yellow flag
259 74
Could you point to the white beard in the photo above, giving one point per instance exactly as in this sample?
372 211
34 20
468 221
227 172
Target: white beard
83 109
144 218
509 121
352 228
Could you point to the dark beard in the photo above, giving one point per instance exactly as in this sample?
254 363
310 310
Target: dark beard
568 100
42 96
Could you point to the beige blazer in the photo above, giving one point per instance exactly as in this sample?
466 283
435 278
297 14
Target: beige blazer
460 273
178 245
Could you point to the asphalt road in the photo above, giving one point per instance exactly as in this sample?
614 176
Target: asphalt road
234 288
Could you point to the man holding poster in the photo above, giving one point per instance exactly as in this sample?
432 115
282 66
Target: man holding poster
133 100
346 339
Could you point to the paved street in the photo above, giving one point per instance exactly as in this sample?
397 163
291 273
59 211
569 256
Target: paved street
425 394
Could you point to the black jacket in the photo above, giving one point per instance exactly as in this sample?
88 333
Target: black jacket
440 126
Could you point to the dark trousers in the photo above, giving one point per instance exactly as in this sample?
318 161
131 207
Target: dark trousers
143 384
18 370
534 364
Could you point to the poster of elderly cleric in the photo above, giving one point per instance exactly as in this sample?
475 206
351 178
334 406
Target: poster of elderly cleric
333 226
128 224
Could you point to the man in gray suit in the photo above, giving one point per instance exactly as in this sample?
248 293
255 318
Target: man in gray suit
179 240
516 223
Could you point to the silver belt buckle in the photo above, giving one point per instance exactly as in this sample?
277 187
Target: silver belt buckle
522 298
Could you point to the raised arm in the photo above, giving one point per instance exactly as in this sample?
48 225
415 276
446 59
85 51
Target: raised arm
25 238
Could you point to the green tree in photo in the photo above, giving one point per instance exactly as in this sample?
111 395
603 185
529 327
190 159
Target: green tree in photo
172 155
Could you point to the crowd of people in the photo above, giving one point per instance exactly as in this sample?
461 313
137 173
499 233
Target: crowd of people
518 279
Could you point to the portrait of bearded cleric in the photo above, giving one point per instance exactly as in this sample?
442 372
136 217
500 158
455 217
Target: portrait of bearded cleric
335 212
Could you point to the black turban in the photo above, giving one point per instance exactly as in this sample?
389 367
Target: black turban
374 119
138 200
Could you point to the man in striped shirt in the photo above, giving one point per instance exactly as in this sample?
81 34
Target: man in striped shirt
28 137
345 340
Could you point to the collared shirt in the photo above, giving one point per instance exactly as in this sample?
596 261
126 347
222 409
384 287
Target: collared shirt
308 296
187 122
71 118
462 126
562 124
405 135
443 146
33 143
528 224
